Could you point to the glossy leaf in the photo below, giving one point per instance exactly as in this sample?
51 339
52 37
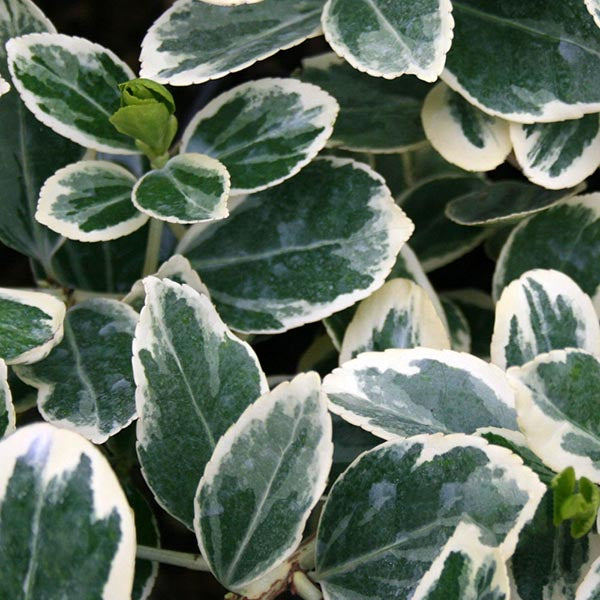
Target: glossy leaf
7 410
265 476
62 511
86 383
397 393
31 324
70 85
183 357
543 310
463 134
458 326
263 131
391 39
288 256
398 315
90 201
185 45
395 509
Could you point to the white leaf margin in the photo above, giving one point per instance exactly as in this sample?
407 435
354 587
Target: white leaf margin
4 86
65 450
589 588
8 405
593 7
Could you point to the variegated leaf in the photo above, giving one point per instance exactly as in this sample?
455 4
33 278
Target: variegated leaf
458 326
66 529
183 357
7 410
397 393
593 7
263 131
4 86
589 588
543 310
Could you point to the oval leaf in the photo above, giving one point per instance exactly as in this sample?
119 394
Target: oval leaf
86 383
31 324
393 512
543 310
54 485
183 358
558 155
398 315
7 409
390 39
556 400
263 131
289 256
404 392
90 201
558 46
264 478
462 134
71 85
185 45
190 188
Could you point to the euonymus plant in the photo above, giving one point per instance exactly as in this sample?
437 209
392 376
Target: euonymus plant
429 446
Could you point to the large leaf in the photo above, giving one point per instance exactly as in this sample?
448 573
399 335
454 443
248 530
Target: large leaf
90 201
376 115
299 252
31 324
185 45
190 188
557 45
556 401
558 155
396 508
265 476
29 152
404 392
66 529
183 360
86 383
462 134
263 131
7 410
389 39
398 315
71 85
554 239
543 310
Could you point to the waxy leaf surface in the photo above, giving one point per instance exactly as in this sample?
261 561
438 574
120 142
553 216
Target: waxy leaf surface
7 410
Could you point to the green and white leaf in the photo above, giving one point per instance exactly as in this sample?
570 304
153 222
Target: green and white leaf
398 315
463 134
177 269
185 45
230 2
376 115
438 241
404 392
557 409
458 326
504 202
4 86
558 46
7 409
183 358
263 131
558 155
553 240
466 570
543 310
264 478
90 201
589 589
593 7
31 324
388 39
66 529
86 384
392 513
190 188
288 256
71 85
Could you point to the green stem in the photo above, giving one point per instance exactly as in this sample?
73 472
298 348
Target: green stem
194 562
304 587
152 247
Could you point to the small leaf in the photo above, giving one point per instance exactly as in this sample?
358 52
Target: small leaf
458 326
563 487
7 409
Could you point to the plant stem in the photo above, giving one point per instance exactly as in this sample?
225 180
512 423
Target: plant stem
194 562
152 247
305 588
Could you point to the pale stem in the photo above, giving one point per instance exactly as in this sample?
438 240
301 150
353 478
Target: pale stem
152 247
194 562
305 588
178 230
